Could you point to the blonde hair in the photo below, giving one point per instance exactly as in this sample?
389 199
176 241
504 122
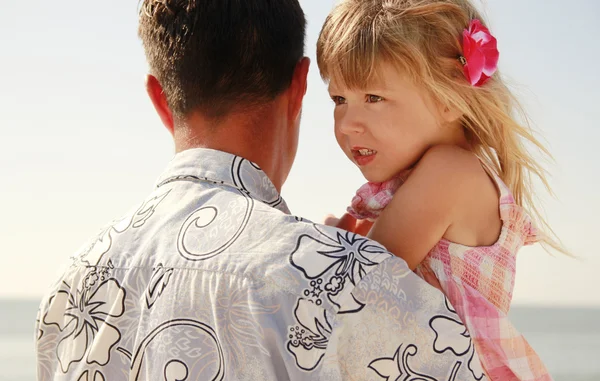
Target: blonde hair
423 38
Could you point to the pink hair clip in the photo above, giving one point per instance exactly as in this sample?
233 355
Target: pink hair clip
480 53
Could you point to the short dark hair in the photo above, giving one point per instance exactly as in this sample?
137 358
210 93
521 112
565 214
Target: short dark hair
215 55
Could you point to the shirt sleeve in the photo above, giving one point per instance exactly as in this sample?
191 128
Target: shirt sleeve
403 329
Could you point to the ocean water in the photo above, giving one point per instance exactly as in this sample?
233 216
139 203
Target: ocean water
567 339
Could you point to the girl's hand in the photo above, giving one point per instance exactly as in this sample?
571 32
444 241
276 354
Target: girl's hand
331 220
349 223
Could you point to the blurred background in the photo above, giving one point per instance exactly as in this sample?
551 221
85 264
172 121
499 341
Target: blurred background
80 144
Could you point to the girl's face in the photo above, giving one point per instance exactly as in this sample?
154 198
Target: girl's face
386 128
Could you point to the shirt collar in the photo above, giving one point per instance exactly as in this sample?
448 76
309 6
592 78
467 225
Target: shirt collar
223 168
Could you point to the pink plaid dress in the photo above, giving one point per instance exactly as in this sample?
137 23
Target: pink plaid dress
479 283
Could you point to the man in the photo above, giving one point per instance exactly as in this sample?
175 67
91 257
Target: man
211 277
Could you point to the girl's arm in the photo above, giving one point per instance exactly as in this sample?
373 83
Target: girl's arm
446 188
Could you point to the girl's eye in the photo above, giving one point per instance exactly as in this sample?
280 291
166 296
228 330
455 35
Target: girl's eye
374 98
338 100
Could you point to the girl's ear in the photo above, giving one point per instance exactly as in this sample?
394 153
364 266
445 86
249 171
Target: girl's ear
450 114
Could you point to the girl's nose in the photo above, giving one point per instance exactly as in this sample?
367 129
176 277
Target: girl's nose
350 122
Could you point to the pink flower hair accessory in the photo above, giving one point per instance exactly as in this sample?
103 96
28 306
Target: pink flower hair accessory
480 53
372 198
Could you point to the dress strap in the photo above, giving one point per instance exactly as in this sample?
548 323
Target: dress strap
519 220
504 191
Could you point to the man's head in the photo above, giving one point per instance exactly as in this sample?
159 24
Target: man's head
218 65
216 56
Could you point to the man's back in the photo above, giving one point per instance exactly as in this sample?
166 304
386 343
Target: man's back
213 279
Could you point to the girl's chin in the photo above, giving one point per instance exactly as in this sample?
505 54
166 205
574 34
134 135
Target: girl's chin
374 177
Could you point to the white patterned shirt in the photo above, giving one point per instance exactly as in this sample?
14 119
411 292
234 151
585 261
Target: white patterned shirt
211 278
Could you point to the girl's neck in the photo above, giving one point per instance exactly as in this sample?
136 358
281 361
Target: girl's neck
455 135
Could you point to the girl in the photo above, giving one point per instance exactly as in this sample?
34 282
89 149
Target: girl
422 111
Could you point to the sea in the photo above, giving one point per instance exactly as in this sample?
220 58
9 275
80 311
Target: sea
567 339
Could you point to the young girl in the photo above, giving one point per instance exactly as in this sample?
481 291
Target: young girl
422 111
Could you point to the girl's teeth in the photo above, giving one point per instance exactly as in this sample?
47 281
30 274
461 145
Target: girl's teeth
366 152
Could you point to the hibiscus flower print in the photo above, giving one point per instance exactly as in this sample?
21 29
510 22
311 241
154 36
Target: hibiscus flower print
337 263
88 376
82 319
398 368
332 262
309 338
452 335
347 254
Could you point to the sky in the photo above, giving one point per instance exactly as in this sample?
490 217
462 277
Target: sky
80 143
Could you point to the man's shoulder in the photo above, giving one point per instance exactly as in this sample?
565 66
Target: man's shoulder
227 232
320 264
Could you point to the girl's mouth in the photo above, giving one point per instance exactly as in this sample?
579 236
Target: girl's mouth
363 156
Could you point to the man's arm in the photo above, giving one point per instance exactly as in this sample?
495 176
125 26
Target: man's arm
405 327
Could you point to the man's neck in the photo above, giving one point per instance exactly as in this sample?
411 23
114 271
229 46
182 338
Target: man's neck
258 138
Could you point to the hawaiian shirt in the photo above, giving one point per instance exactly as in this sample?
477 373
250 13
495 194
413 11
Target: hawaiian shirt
212 278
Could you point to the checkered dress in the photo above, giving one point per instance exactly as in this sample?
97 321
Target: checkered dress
479 282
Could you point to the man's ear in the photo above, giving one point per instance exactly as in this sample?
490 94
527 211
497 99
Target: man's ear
298 87
159 100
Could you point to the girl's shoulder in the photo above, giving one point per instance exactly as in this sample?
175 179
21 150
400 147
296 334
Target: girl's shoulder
485 212
450 158
473 192
459 175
